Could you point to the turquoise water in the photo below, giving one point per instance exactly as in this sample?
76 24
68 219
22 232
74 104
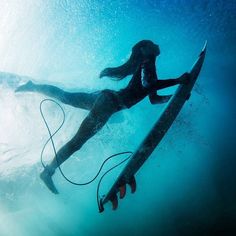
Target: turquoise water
187 187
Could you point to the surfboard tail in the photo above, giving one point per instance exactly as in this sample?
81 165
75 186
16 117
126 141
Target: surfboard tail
122 190
196 68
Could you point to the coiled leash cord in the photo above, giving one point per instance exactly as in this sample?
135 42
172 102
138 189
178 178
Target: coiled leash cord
51 135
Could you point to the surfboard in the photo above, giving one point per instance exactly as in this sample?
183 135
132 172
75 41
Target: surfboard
150 142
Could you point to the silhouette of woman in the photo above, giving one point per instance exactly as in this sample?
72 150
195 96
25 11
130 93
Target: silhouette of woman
102 104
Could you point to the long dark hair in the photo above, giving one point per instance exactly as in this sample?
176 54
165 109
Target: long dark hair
130 66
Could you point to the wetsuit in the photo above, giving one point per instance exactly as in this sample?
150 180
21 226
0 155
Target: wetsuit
141 85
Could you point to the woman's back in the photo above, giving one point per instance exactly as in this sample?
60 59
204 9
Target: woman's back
134 92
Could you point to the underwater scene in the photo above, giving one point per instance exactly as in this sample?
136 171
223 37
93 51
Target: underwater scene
93 67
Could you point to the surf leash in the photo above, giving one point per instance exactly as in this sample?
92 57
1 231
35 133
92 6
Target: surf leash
51 135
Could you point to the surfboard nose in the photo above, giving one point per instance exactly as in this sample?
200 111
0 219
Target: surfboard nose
204 49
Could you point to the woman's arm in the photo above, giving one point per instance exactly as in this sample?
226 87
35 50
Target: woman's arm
149 79
161 84
154 98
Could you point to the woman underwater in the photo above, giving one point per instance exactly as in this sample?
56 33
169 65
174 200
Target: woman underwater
103 104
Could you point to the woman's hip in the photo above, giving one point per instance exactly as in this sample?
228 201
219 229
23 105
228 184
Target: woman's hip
108 101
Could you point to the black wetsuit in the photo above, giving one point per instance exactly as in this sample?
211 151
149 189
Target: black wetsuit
139 86
133 92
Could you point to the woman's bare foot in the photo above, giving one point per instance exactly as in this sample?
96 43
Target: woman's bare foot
25 87
46 177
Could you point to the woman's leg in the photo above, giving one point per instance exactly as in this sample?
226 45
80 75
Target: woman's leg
80 100
103 108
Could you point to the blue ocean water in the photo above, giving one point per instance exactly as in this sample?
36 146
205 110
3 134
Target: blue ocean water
187 187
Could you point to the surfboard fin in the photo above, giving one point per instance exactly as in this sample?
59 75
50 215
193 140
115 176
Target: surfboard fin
101 206
132 184
122 190
114 202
